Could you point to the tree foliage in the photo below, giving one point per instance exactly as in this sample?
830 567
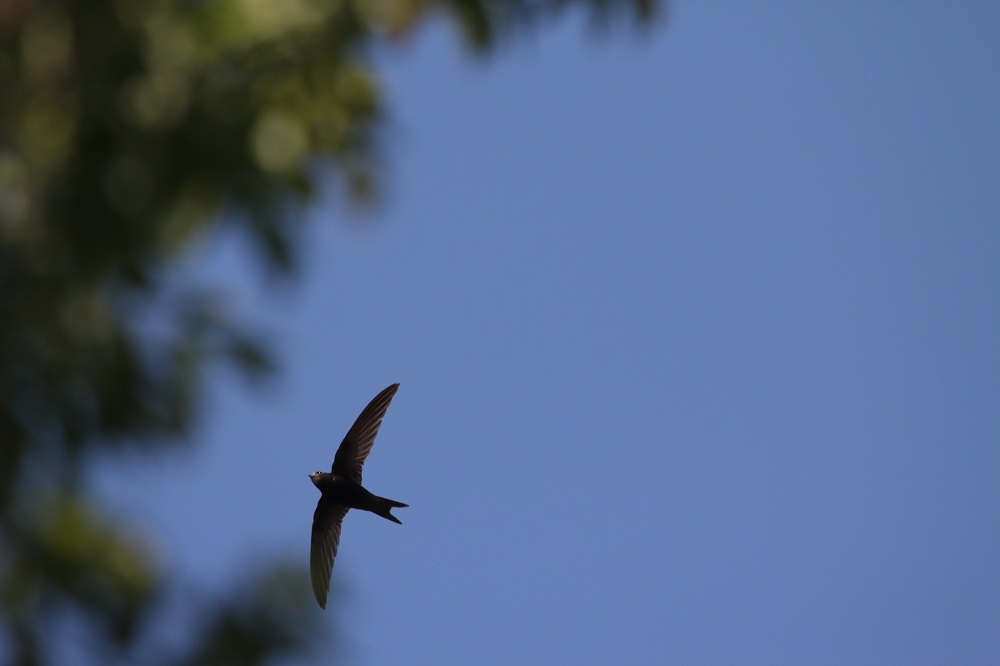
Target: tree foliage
129 131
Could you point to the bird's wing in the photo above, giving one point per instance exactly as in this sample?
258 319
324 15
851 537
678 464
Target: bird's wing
325 538
359 439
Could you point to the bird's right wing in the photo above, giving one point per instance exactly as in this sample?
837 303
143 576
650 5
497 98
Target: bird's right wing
325 539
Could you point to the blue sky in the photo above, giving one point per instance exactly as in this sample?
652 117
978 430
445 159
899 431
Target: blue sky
698 342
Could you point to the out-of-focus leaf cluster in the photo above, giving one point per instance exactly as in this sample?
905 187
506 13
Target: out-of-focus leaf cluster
127 128
70 553
129 131
269 613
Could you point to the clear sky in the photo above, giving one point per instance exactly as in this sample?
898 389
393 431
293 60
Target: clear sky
699 344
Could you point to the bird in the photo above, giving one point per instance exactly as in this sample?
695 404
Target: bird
342 490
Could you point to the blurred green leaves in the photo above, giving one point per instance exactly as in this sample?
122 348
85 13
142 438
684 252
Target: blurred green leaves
270 613
69 549
129 132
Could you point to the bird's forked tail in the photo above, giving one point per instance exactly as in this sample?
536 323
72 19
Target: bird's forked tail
386 506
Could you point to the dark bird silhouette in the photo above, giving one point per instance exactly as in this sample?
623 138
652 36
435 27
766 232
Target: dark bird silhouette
342 491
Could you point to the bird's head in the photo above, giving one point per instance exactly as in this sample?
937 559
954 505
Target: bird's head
316 476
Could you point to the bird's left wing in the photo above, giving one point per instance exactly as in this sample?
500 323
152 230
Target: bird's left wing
358 442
